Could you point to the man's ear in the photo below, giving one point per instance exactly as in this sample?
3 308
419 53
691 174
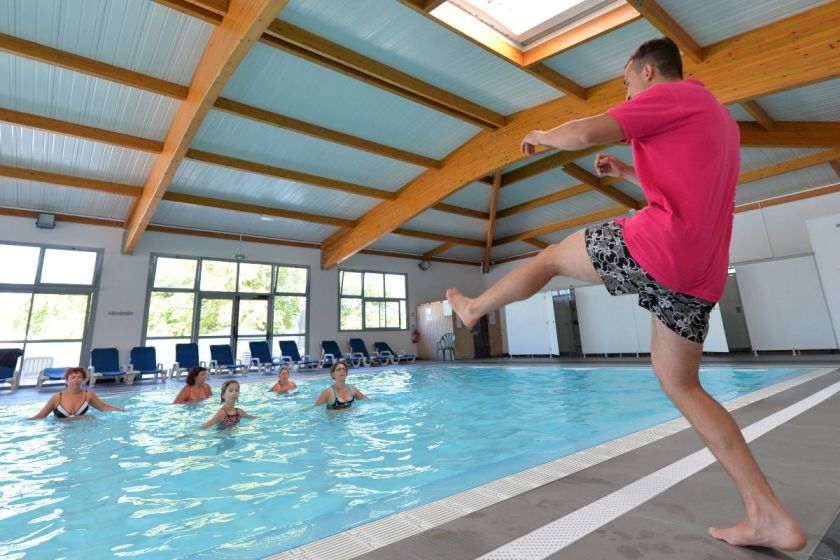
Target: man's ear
648 72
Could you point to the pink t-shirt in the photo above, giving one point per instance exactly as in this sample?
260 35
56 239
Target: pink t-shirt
686 154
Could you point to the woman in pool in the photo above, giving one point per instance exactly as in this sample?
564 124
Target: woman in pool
196 387
73 402
339 394
284 384
228 415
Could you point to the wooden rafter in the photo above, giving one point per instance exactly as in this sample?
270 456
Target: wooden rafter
491 222
229 43
396 255
788 166
80 131
69 180
191 9
439 237
317 131
669 27
791 134
568 192
793 197
216 6
757 112
536 243
461 211
300 42
835 165
55 57
580 34
605 214
545 164
438 250
601 186
288 174
801 50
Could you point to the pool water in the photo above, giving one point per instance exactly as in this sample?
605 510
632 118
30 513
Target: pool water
146 483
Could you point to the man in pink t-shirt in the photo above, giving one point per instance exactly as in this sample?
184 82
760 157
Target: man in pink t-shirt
674 253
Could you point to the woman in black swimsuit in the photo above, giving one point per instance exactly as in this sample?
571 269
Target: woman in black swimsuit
339 394
73 402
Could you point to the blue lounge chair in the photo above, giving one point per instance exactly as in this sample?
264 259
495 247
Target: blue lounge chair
221 360
50 374
331 353
105 362
9 372
289 354
186 358
261 357
359 350
144 362
385 352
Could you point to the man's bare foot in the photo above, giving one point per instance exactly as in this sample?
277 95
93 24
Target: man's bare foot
779 532
460 304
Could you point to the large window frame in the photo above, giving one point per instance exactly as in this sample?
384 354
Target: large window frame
39 287
235 294
365 299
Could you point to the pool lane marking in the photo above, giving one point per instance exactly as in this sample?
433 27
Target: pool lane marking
555 536
393 528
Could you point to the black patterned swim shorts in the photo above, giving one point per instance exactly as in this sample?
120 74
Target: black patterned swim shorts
686 315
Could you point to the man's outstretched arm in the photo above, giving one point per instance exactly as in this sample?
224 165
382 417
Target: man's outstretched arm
575 135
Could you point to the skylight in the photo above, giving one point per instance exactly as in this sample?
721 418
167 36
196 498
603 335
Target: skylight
519 21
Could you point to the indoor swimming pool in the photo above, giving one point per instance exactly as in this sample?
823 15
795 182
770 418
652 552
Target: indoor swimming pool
146 483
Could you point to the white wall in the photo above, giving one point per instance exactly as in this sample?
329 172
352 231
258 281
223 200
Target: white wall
124 279
825 239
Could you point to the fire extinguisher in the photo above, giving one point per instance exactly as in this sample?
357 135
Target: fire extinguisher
415 335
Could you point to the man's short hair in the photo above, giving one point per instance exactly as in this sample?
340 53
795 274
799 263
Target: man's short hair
662 53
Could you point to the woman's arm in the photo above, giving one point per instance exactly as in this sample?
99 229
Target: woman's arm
47 408
215 420
323 398
99 404
359 394
182 395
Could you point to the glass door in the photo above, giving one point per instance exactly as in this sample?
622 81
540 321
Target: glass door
215 323
251 324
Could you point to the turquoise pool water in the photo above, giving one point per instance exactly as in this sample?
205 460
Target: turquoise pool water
146 484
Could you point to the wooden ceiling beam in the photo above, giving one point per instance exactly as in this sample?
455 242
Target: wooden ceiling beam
219 7
65 180
317 131
757 112
76 63
228 44
536 242
288 174
580 34
601 186
785 199
461 211
791 134
300 42
734 70
191 9
417 234
491 222
835 165
668 26
438 250
544 200
80 131
605 214
543 165
788 166
396 255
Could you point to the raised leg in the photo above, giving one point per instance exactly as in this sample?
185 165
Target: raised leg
676 361
567 258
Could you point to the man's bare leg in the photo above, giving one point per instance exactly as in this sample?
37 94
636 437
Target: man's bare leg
676 361
567 258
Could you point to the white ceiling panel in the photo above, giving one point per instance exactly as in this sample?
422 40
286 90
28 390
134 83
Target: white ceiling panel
569 208
403 244
756 158
30 148
283 83
393 34
448 224
512 249
475 196
462 252
818 176
31 195
33 87
213 219
142 36
712 21
220 182
242 138
603 58
534 187
817 102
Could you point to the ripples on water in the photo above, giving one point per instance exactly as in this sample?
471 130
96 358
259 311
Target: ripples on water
146 483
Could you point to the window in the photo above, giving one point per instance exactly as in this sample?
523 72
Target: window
212 301
371 301
46 302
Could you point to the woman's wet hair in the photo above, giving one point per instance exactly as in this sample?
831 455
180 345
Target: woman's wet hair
81 370
193 373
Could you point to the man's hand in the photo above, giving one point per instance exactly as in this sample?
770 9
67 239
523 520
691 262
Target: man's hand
605 164
529 144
